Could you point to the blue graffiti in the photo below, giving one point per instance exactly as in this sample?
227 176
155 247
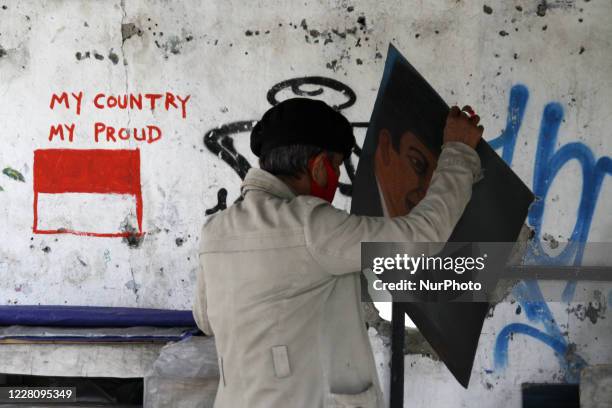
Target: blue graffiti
516 110
548 162
501 352
538 312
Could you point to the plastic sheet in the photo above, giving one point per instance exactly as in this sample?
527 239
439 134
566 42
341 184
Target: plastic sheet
104 334
93 316
185 375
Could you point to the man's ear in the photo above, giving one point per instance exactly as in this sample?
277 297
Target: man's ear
384 146
317 169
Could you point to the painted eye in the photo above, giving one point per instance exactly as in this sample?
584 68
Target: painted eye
419 166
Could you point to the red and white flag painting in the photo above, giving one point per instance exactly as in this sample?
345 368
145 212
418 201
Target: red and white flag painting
87 192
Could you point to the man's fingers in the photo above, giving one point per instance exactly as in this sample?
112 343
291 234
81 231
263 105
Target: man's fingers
463 126
468 109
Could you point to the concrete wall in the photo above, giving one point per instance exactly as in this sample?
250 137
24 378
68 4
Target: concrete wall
538 74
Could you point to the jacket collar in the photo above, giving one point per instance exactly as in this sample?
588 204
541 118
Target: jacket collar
258 179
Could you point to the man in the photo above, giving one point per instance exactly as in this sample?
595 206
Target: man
279 285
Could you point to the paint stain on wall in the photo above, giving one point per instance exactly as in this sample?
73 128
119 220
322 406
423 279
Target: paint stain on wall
128 30
83 55
13 174
552 242
593 311
132 237
541 9
23 288
173 45
133 286
114 58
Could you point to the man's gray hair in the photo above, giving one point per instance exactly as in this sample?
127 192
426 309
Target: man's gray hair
288 160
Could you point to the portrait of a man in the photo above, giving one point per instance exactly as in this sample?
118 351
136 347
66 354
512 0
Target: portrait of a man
399 157
402 145
403 166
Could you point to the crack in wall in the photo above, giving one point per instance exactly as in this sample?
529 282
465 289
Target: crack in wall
125 67
133 286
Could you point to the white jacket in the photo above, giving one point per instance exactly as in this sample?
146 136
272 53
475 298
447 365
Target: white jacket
280 291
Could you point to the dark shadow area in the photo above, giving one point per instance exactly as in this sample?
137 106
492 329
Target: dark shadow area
550 395
90 391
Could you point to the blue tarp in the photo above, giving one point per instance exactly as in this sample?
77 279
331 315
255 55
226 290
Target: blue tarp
93 316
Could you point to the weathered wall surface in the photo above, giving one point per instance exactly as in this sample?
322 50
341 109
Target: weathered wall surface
538 73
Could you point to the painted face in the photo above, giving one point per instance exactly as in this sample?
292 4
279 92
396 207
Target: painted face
403 175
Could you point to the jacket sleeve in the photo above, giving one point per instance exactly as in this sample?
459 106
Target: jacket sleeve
200 307
334 237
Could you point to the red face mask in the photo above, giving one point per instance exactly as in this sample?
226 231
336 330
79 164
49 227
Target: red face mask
326 193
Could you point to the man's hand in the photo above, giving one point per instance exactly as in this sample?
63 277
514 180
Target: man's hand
462 126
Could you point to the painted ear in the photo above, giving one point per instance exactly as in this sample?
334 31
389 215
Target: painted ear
317 169
384 146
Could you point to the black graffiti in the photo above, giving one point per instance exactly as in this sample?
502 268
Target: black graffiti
220 142
221 202
296 85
